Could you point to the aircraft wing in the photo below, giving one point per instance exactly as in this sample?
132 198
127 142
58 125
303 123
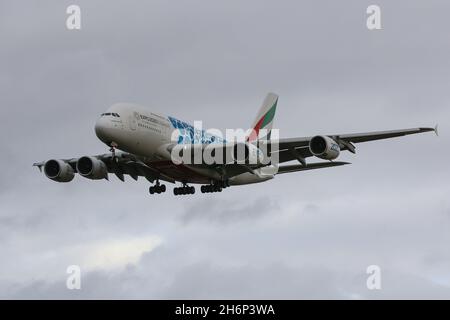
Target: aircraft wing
309 166
122 164
298 148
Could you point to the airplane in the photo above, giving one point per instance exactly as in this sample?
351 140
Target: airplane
141 144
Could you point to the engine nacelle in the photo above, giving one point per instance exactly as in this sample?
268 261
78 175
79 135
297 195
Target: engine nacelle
324 147
58 170
92 168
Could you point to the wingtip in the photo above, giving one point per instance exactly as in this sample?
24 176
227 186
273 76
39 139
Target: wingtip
429 129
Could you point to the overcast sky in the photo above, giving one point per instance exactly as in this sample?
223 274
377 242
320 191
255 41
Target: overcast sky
302 235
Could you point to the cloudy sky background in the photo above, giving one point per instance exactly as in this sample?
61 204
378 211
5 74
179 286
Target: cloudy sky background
303 235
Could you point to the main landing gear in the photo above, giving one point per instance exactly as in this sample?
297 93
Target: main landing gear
157 188
209 188
185 189
216 186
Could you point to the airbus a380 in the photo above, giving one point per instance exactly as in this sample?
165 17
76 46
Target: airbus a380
145 141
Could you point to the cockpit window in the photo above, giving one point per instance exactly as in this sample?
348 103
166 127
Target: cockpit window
111 114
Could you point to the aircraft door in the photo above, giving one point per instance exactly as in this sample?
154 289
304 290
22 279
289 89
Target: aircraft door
132 121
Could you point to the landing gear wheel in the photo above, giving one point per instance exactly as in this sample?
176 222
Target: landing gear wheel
209 188
157 188
183 190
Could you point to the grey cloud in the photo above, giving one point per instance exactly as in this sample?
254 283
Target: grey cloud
210 280
303 235
228 211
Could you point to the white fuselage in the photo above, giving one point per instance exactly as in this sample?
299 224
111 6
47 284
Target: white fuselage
135 129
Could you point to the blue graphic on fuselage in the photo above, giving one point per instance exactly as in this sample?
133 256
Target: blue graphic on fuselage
187 134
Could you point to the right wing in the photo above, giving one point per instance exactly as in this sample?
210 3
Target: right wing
298 148
309 166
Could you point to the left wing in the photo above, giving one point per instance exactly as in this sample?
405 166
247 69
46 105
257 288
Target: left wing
120 165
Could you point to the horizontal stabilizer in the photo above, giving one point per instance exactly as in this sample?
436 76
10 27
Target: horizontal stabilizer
309 166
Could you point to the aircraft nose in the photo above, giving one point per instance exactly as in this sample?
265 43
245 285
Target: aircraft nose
103 130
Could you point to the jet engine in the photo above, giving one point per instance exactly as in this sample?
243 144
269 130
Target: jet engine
92 168
58 170
324 147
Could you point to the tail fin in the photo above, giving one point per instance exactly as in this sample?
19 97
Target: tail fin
264 119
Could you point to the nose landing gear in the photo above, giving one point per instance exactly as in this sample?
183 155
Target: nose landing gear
113 146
